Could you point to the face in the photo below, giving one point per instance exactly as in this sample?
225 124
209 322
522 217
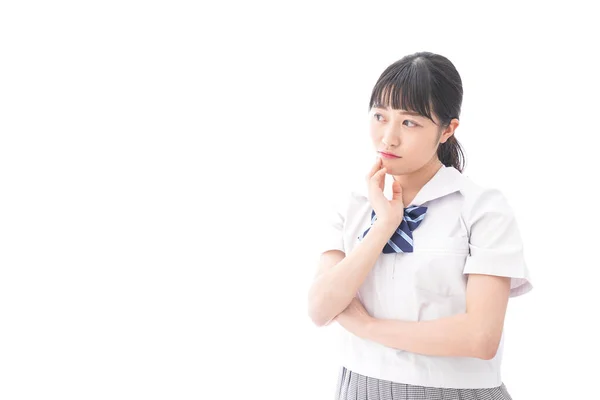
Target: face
412 137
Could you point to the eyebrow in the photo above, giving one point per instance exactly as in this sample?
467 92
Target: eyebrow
416 114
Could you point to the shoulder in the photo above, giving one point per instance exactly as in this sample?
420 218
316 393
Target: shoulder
357 194
480 198
487 213
345 202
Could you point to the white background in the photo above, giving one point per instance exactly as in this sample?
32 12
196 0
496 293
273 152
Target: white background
164 165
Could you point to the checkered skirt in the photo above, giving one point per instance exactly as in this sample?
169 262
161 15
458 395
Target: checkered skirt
353 386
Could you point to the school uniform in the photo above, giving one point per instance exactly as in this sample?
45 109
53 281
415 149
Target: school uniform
466 229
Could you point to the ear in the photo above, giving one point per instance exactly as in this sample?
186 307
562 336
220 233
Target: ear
449 130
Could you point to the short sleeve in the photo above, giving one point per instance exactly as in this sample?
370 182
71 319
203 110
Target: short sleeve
495 243
330 235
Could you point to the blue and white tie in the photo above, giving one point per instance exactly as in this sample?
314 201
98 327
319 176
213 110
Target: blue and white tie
402 240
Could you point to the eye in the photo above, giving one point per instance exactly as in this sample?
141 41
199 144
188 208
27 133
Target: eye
414 124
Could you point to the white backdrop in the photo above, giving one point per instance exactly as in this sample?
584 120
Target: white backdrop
163 166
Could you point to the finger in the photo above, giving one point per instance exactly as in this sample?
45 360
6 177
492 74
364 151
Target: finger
396 190
376 167
379 177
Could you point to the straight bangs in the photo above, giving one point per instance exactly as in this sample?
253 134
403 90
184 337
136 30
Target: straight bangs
406 87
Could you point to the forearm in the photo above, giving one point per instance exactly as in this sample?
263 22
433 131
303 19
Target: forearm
454 336
333 290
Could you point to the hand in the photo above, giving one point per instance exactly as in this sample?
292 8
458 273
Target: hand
355 318
388 211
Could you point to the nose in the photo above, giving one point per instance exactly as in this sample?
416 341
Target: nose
390 137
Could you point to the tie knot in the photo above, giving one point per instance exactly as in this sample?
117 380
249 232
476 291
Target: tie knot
415 211
414 215
402 239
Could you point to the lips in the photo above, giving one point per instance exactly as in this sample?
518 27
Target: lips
388 155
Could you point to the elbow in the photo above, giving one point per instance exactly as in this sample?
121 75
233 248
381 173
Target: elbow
488 352
319 322
486 346
314 316
315 312
324 306
317 318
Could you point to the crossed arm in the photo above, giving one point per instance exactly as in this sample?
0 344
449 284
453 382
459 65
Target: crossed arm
474 333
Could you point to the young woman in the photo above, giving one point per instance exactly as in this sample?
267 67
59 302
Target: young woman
420 279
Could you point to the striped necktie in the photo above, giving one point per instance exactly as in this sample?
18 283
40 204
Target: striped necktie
402 240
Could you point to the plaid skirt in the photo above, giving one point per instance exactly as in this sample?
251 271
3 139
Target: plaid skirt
355 386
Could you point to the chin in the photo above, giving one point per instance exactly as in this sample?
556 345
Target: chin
396 171
403 170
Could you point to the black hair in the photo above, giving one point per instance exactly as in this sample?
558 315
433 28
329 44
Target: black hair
419 82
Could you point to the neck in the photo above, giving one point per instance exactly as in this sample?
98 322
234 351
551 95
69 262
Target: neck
413 182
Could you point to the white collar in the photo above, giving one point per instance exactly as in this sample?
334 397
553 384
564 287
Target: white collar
446 180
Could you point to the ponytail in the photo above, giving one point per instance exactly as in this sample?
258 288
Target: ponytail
451 154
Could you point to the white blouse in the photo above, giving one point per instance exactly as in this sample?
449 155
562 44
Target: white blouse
467 229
